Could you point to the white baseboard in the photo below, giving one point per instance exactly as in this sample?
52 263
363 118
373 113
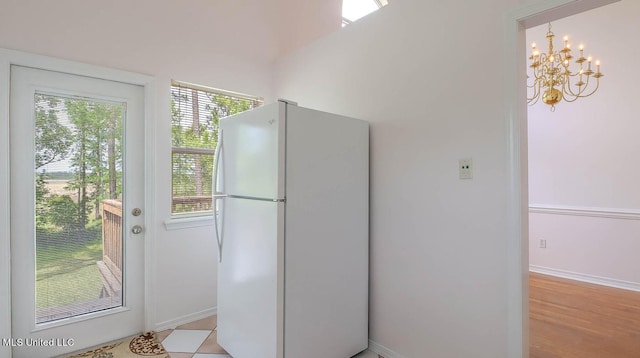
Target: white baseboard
605 281
383 351
173 323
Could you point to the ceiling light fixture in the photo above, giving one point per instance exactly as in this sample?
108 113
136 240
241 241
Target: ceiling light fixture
552 76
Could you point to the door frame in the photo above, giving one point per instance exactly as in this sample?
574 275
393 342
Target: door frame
12 57
515 108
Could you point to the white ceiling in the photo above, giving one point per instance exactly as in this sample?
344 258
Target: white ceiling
254 30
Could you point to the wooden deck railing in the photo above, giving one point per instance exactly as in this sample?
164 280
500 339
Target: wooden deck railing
111 264
191 203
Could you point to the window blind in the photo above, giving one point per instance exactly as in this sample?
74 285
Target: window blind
195 116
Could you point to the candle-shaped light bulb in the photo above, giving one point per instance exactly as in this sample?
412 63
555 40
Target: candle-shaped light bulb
533 45
589 60
551 58
598 66
566 41
581 47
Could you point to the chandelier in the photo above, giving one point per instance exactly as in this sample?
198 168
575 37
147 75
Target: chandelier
555 81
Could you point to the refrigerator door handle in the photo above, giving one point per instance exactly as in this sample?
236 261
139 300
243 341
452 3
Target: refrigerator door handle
217 195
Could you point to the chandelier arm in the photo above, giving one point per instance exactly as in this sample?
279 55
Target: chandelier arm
536 72
586 95
570 99
536 91
595 89
535 85
539 77
582 88
544 58
534 99
567 87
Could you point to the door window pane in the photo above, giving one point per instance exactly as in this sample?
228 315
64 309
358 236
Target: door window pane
78 186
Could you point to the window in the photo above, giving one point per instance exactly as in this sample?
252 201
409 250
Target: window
195 115
352 10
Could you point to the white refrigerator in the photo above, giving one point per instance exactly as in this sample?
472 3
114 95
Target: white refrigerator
291 192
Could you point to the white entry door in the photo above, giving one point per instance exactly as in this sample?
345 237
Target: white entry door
77 190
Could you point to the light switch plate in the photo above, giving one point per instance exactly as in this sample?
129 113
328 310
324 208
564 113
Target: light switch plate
465 166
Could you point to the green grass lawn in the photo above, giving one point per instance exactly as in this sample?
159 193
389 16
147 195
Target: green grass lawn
67 273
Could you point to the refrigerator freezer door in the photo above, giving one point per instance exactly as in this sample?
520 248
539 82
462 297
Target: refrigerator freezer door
253 160
251 278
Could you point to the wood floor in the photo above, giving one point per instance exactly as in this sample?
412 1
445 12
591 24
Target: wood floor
572 319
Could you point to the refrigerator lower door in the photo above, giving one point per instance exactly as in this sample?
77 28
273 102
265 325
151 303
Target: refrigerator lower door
250 279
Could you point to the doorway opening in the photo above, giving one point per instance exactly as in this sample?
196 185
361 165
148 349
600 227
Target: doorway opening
583 217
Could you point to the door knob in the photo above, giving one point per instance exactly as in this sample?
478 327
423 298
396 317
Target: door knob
136 212
136 229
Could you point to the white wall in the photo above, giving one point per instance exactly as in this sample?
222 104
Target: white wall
596 249
193 41
582 155
430 84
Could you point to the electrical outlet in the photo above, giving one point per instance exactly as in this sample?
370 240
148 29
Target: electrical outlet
543 243
465 167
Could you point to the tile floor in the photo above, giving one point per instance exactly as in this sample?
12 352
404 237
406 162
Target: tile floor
193 340
198 340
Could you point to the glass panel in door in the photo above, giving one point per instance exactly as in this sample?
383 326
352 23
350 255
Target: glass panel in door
78 186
